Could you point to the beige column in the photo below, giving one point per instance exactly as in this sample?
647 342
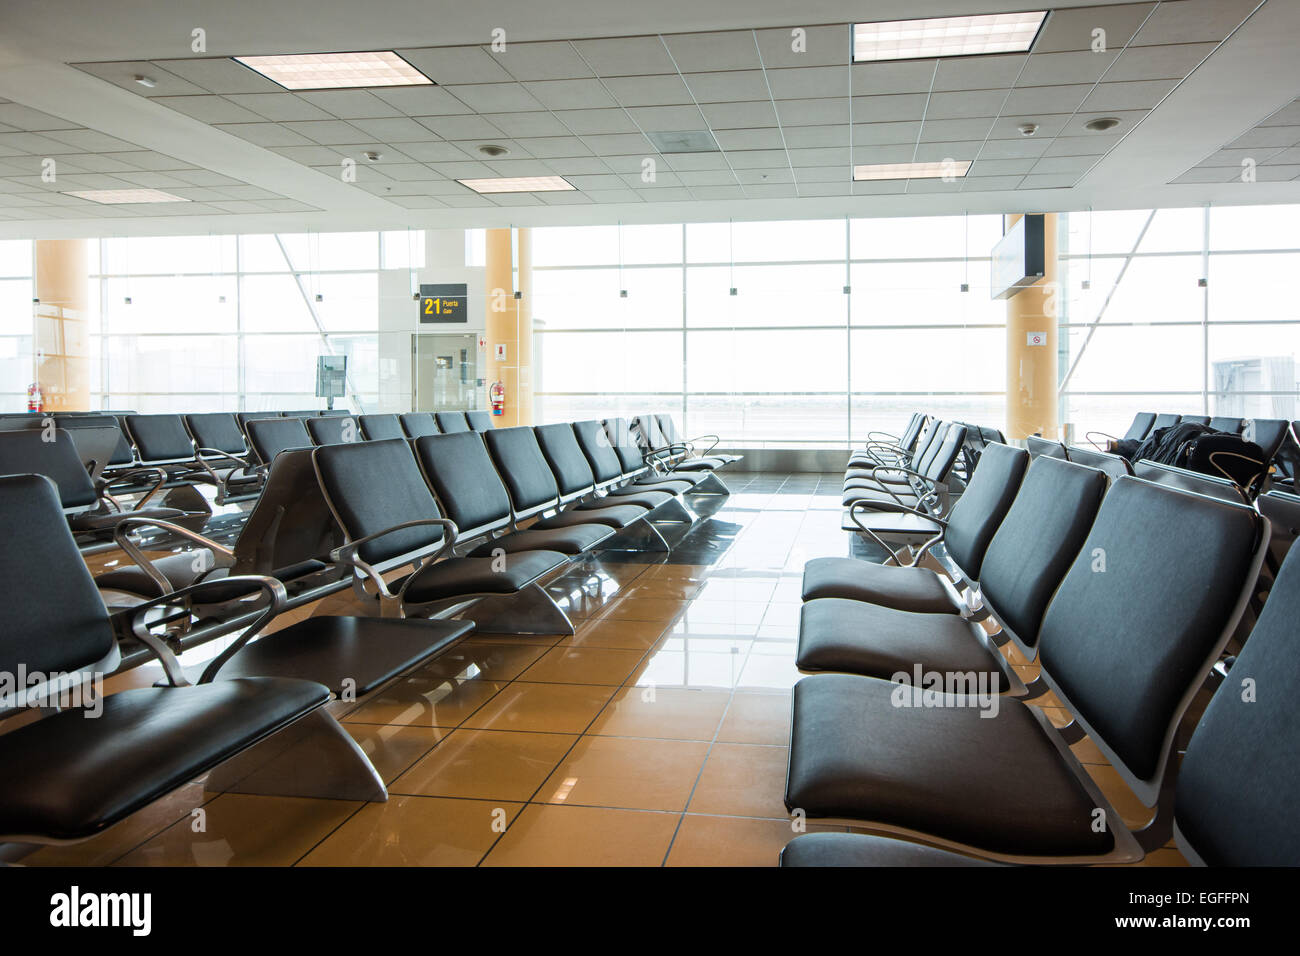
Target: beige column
60 345
509 325
1032 405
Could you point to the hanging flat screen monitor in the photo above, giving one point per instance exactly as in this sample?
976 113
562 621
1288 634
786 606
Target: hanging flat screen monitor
1018 257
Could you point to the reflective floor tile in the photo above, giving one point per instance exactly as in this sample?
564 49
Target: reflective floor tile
731 841
620 635
545 708
426 702
633 773
486 764
743 780
666 668
500 662
665 712
393 748
757 719
584 665
584 836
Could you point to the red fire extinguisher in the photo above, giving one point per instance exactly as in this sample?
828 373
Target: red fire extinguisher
35 401
497 397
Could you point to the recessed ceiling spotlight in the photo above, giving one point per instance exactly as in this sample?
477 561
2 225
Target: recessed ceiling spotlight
873 171
1028 129
336 71
518 184
148 81
372 156
946 36
1101 124
491 149
122 196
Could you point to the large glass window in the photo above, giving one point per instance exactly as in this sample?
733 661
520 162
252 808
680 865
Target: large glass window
15 323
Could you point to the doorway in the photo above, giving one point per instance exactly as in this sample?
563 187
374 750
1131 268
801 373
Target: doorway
445 373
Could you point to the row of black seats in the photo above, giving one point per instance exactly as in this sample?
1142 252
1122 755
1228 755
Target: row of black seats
1127 592
451 508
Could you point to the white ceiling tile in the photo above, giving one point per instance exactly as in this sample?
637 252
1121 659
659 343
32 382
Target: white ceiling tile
1230 157
696 161
1286 156
823 112
456 64
1159 62
1078 66
614 195
23 118
363 173
519 167
826 156
842 187
91 140
1046 99
584 122
467 170
727 86
467 198
1275 136
1075 125
417 202
203 177
123 74
618 144
434 152
309 155
823 174
149 180
1055 181
663 179
495 97
764 138
1092 145
554 60
771 190
570 94
1071 28
422 101
520 124
219 75
938 152
810 82
1192 21
992 72
968 103
884 154
1000 167
671 194
879 187
666 118
663 90
757 159
577 166
208 108
1277 173
818 46
893 76
703 52
1288 115
463 127
707 177
328 132
626 56
546 147
972 184
397 129
637 164
882 134
770 175
937 131
147 159
266 134
597 181
934 186
1008 126
564 198
1076 165
718 192
893 108
351 104
807 137
279 107
1139 94
1021 148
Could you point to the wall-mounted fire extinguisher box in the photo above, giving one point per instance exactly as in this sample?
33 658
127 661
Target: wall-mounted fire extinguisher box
497 397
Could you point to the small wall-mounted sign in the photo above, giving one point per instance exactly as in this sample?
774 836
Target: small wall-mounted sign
443 302
1035 338
501 352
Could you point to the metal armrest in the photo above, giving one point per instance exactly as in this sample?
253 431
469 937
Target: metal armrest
871 436
161 479
347 553
691 443
241 464
277 599
926 546
123 540
1110 439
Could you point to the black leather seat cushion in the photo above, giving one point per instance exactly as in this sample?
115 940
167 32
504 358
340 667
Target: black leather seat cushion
644 499
657 484
995 783
330 650
854 637
178 569
457 576
615 516
698 464
907 589
571 540
863 849
79 775
899 522
107 522
879 496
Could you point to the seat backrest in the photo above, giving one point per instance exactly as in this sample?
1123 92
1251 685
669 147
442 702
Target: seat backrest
363 505
929 446
27 452
1185 480
1237 790
523 467
419 424
1267 433
334 413
379 427
462 475
160 438
1037 541
243 418
217 430
1226 424
595 444
668 429
301 413
270 436
619 432
1045 448
1141 426
1196 419
645 429
1165 420
333 429
912 432
569 466
290 523
479 420
451 422
949 451
1114 466
979 511
1142 614
1282 509
96 447
122 452
55 622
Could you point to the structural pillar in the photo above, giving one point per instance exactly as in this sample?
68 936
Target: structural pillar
61 341
1032 317
509 326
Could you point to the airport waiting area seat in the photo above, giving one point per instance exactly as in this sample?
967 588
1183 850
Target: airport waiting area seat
452 422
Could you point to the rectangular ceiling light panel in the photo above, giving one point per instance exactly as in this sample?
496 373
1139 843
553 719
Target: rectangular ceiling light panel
518 184
123 196
946 36
955 169
336 71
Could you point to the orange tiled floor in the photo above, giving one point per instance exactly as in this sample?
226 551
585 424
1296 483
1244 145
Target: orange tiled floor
655 735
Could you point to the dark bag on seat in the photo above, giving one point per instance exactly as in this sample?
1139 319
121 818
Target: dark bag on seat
1164 445
1225 455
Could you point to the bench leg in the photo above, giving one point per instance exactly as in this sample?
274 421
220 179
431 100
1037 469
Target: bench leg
673 511
312 757
711 485
639 536
528 611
